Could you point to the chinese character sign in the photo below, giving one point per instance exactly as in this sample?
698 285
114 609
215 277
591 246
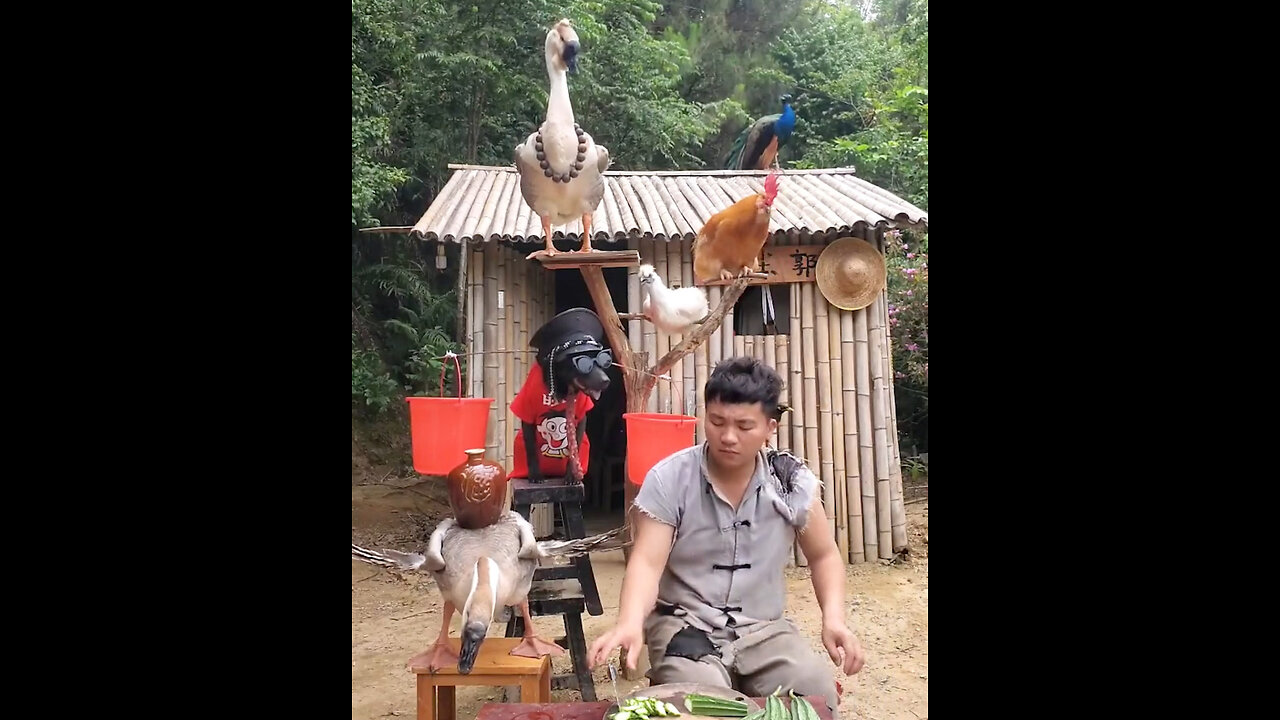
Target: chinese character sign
786 264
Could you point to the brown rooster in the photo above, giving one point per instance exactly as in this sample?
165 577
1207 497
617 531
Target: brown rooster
729 244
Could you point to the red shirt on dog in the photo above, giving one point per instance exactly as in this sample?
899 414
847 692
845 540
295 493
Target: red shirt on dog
534 405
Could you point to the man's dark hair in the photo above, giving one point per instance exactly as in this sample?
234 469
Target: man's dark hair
745 380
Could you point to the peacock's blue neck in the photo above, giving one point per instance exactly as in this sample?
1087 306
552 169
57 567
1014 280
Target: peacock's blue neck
786 123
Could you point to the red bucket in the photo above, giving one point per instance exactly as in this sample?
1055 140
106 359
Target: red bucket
442 429
651 437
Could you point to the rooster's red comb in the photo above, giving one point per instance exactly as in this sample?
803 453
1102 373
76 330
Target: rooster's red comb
771 186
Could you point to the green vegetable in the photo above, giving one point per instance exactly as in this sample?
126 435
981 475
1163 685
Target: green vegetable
774 709
714 706
641 708
801 708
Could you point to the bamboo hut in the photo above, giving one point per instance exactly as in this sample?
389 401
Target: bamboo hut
835 362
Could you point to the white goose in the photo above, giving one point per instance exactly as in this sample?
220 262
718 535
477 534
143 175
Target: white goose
561 168
482 571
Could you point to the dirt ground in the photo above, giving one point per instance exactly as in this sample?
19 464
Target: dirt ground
393 616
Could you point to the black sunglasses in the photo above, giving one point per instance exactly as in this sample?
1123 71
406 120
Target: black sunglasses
583 363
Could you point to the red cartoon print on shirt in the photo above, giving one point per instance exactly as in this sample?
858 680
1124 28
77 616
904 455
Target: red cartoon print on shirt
534 405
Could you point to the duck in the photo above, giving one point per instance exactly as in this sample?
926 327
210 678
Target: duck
560 165
481 571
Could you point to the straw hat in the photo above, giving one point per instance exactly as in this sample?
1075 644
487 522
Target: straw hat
850 273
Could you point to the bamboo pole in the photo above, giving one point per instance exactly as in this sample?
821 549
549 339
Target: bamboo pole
650 330
490 345
866 449
837 432
726 335
691 388
664 339
826 431
739 345
700 372
812 397
795 347
897 507
762 349
852 480
503 360
883 446
522 341
466 290
795 350
674 276
635 328
715 346
782 353
715 352
477 321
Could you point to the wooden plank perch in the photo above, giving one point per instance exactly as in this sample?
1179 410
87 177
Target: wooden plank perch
594 259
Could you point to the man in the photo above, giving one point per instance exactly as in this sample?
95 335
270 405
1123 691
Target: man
714 529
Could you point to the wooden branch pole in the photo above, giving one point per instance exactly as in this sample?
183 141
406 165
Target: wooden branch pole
699 336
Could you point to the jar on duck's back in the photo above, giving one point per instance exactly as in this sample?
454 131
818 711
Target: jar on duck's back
477 491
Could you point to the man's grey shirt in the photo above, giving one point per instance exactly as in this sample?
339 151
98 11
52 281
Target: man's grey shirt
725 571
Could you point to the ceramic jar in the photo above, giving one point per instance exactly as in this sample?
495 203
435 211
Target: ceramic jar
477 491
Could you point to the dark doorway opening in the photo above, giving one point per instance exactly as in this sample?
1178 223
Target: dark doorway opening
605 428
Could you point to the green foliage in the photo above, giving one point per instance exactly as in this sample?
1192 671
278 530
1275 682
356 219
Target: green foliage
371 385
403 324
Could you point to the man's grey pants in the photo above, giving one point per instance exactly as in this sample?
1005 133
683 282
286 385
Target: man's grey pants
756 663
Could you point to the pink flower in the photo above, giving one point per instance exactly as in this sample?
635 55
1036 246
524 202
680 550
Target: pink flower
906 246
912 347
910 293
910 255
899 374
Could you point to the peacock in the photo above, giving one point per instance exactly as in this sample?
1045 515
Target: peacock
757 146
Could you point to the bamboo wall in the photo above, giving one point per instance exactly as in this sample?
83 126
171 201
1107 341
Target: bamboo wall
508 298
835 364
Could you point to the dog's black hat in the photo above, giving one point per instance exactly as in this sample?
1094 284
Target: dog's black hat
574 331
570 329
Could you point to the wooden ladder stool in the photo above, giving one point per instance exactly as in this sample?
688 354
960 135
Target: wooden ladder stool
567 590
495 667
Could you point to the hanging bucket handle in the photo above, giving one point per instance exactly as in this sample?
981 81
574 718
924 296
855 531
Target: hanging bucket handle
450 355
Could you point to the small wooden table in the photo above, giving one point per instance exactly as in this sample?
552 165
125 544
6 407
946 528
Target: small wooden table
590 710
495 667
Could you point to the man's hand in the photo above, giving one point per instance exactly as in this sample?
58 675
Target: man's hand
843 647
630 638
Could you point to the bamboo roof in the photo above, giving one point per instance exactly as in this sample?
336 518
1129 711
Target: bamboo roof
484 203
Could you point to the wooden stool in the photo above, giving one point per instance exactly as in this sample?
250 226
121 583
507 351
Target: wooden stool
495 667
566 590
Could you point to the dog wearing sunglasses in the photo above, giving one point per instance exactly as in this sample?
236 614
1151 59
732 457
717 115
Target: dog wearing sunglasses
578 368
568 375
